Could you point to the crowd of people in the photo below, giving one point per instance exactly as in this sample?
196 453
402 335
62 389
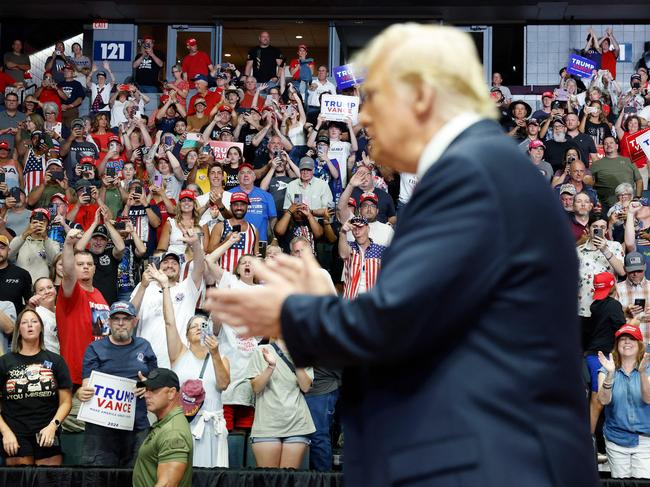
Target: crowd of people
117 227
584 140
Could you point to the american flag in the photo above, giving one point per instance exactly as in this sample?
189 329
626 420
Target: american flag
245 245
34 172
361 264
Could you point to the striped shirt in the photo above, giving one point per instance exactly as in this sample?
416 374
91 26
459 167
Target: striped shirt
245 245
361 269
628 292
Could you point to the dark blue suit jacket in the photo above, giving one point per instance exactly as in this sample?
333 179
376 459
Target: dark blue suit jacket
462 365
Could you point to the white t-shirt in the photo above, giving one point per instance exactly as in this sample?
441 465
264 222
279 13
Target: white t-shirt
314 96
204 200
238 349
380 233
50 334
152 325
340 151
407 183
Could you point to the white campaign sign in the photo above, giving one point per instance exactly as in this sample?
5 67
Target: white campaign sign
113 404
644 142
339 107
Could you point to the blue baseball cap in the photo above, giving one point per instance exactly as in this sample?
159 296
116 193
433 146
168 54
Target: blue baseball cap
124 307
200 77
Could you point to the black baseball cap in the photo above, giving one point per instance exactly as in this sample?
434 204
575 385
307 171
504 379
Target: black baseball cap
160 377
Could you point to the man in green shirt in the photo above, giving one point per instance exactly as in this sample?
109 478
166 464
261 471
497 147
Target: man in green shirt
165 457
612 170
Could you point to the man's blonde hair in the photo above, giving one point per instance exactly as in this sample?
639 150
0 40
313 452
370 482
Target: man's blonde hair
442 58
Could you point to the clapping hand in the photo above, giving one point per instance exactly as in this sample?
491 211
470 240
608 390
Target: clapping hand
607 362
190 237
157 275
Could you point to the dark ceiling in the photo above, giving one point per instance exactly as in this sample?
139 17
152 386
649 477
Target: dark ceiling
452 11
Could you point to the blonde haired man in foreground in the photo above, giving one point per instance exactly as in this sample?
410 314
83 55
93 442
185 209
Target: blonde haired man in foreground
462 364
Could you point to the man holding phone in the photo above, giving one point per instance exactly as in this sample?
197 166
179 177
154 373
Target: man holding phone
76 147
144 216
83 211
55 182
634 292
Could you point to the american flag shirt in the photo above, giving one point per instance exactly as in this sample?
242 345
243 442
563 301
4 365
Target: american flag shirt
245 245
361 269
34 172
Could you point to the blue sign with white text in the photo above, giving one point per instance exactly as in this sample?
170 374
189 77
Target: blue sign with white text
347 77
112 51
580 66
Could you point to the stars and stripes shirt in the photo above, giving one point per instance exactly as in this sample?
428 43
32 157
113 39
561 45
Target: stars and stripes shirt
361 269
34 171
628 292
246 245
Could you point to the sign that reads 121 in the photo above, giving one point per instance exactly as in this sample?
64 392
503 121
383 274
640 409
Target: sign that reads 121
112 50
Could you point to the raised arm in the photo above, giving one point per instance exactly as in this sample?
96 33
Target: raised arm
174 343
68 261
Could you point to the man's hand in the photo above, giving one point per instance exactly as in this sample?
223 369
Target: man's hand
85 393
73 237
157 275
258 308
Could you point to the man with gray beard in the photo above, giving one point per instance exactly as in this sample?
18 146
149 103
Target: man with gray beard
558 145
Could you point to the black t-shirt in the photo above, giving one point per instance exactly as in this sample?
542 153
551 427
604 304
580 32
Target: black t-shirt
554 153
77 151
230 177
148 71
264 62
73 89
246 135
30 386
606 317
15 286
586 145
597 131
106 275
278 189
386 206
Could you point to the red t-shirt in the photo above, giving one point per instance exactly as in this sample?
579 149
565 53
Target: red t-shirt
86 215
632 150
247 101
50 94
80 319
195 64
608 62
296 62
211 99
5 80
102 140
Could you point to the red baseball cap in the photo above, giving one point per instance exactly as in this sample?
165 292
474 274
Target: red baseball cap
147 38
548 94
302 46
68 66
87 160
114 138
369 197
225 108
633 331
192 42
245 166
239 197
534 144
61 196
164 98
187 193
603 283
352 202
43 211
4 145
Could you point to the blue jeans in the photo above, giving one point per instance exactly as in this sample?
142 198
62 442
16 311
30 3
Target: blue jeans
322 413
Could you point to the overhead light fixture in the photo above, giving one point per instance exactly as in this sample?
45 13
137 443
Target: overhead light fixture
298 37
227 54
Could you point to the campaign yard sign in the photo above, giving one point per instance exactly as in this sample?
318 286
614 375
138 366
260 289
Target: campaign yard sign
347 77
113 404
220 149
644 142
580 66
339 107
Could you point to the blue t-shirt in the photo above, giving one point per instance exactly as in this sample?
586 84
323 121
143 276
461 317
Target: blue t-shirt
260 210
122 361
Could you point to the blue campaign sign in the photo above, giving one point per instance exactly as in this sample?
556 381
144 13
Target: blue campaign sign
347 77
580 66
112 51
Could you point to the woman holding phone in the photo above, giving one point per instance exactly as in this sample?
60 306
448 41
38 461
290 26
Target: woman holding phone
36 396
203 374
596 255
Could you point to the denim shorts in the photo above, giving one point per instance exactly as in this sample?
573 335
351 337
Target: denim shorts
286 439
